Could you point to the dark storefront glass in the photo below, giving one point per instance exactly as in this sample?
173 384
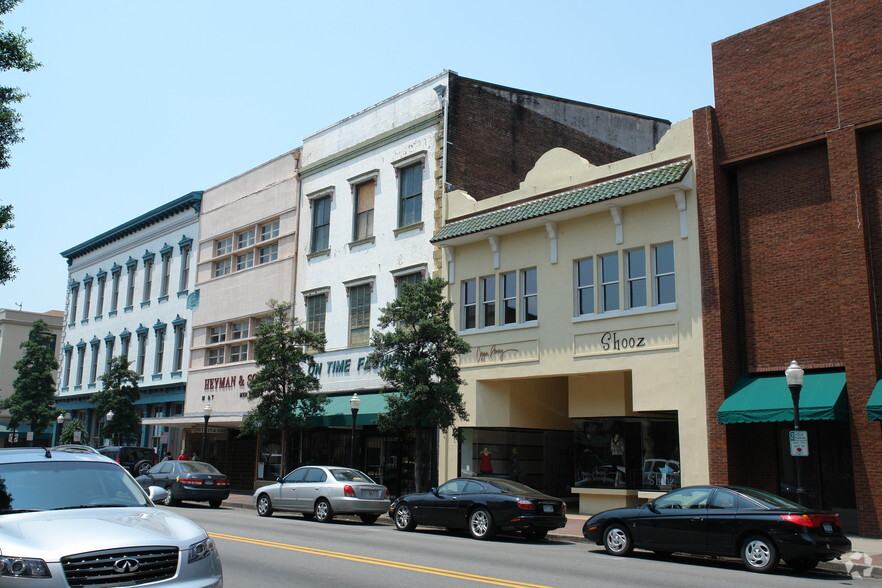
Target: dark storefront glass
633 453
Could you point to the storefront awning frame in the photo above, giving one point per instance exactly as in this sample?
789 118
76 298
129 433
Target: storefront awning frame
874 404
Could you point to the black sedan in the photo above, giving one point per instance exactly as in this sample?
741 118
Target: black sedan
483 506
757 526
188 480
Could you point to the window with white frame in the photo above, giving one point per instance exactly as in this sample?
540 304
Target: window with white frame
223 246
124 340
166 274
363 223
248 249
215 356
469 304
488 301
142 353
99 302
185 268
93 369
663 273
410 194
159 352
87 298
609 282
509 284
585 286
359 315
635 292
269 253
244 260
245 238
81 360
239 330
178 359
238 352
74 295
114 290
316 311
229 342
222 267
217 334
269 231
108 353
321 224
529 295
411 278
130 286
68 359
148 279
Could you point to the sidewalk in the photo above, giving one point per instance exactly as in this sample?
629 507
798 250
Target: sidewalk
865 561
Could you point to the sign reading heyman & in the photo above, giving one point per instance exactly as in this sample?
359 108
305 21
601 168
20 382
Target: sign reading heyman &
626 341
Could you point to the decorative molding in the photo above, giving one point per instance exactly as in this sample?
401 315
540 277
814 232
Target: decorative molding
616 213
551 229
448 252
494 247
680 197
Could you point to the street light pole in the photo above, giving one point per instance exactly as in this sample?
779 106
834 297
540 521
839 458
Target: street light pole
109 419
60 421
794 375
354 404
206 414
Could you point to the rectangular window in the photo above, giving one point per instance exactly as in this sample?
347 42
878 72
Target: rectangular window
93 369
239 330
469 304
359 315
216 356
114 292
130 287
142 353
166 274
124 343
81 358
530 295
108 354
148 279
488 301
239 352
223 246
244 261
217 334
663 273
269 231
222 267
74 295
364 210
269 253
185 269
316 309
245 239
160 351
178 359
407 279
509 298
68 360
410 194
87 299
585 286
321 223
636 288
609 282
99 303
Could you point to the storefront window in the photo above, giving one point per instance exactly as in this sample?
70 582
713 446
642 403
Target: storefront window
635 453
269 464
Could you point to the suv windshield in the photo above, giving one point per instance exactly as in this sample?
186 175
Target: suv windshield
54 485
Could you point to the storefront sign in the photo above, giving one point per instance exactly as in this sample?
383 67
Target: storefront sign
501 353
227 382
348 366
626 341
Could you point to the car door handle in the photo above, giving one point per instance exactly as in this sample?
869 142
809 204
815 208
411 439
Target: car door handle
697 518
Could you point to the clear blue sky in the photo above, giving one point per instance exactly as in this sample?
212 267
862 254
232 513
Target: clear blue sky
140 102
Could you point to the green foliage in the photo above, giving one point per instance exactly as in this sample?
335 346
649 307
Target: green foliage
14 54
68 430
419 362
33 399
119 394
287 394
8 268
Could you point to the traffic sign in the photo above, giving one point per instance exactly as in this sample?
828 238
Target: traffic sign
799 443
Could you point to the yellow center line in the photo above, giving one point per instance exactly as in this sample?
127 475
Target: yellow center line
379 562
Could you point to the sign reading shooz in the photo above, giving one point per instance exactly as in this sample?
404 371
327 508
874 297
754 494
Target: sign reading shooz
626 340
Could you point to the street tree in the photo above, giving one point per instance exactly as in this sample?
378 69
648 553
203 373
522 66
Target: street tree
286 391
417 350
33 397
69 431
8 269
118 393
14 54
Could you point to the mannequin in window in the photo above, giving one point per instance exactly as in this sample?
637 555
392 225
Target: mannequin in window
617 449
486 467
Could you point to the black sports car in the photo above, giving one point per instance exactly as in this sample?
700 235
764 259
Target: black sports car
483 506
188 480
758 526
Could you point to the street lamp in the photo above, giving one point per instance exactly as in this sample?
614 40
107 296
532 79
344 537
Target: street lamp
60 421
354 404
109 418
206 414
794 375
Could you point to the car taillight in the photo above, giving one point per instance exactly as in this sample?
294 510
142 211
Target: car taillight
811 520
386 494
563 508
221 482
118 460
191 481
525 504
348 491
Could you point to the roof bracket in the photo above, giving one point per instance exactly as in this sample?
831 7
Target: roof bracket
551 228
616 213
494 247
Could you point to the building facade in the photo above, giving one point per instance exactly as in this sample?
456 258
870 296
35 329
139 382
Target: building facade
15 326
580 296
130 291
790 188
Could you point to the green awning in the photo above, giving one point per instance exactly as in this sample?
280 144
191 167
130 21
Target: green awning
874 405
339 414
763 399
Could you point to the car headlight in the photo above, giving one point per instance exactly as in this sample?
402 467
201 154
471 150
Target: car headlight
201 550
23 567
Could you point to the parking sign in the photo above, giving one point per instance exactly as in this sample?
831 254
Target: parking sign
799 443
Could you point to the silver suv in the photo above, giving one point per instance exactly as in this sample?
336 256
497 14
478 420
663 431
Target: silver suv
69 518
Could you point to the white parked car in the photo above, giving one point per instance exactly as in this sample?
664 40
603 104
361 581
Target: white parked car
74 518
320 492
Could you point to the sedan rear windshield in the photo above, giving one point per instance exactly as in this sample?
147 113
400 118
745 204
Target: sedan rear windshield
52 485
509 486
769 499
199 467
350 476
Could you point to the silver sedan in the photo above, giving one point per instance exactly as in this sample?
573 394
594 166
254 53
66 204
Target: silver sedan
321 492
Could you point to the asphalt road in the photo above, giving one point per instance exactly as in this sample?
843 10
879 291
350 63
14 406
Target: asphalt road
286 550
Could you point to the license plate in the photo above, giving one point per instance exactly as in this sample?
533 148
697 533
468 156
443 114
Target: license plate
209 482
828 527
371 493
547 508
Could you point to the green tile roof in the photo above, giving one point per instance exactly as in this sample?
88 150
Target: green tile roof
622 186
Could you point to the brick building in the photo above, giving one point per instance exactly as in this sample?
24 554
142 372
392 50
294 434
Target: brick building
789 172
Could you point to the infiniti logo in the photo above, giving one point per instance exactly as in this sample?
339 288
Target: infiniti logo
126 565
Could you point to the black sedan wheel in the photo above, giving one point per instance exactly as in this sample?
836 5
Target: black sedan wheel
617 540
323 511
369 519
481 524
404 520
804 564
264 506
759 554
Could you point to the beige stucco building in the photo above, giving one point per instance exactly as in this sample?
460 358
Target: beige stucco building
580 295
